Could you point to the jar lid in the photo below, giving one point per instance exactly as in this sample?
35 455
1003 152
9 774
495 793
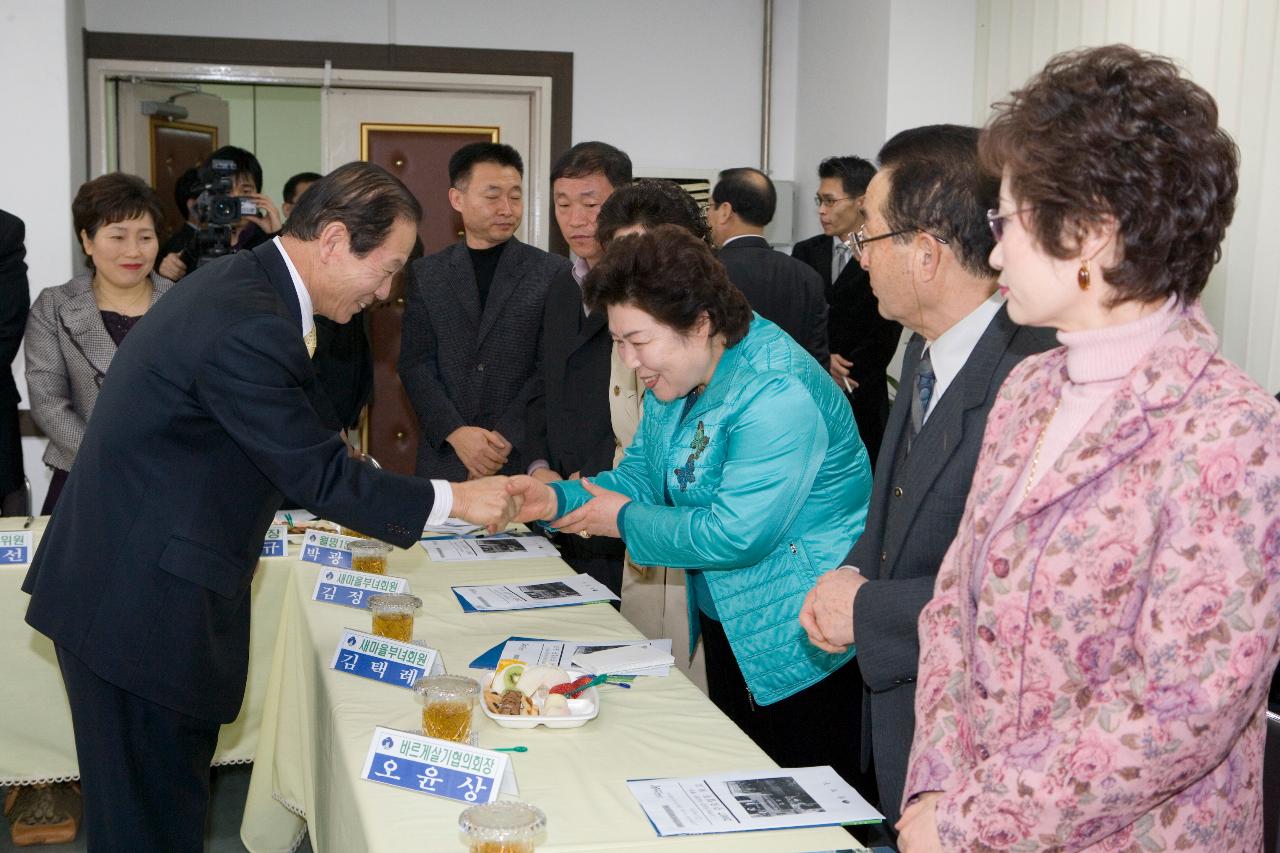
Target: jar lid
509 820
447 687
393 600
370 545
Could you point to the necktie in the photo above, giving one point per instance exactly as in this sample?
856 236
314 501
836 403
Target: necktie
310 340
922 394
843 256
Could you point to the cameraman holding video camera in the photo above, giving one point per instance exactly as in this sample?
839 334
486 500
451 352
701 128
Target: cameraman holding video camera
226 226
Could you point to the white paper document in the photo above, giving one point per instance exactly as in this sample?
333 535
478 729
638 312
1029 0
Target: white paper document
743 801
499 547
554 592
561 653
453 527
623 660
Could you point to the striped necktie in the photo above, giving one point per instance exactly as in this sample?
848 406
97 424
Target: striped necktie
922 394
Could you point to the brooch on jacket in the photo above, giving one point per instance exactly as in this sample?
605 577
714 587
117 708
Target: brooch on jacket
684 474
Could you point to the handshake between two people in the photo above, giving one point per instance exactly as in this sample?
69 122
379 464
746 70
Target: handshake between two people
495 502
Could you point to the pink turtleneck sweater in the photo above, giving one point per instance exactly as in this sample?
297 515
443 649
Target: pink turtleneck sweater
1099 361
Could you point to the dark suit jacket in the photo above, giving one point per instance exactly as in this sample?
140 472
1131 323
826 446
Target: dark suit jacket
205 422
568 415
14 302
916 504
856 331
781 289
344 369
464 368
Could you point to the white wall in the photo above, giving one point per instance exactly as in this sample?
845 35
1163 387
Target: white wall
1233 50
675 84
41 60
842 89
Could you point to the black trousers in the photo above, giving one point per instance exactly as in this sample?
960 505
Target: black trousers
144 768
818 725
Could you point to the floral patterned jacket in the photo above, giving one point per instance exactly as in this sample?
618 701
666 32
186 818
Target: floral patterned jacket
1107 689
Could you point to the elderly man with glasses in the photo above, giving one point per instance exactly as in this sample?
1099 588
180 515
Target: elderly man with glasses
861 341
924 239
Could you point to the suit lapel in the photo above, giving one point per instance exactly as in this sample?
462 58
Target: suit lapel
273 265
590 327
505 280
822 252
83 321
462 284
943 432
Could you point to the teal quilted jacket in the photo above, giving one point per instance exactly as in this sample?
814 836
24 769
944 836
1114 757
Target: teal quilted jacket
764 485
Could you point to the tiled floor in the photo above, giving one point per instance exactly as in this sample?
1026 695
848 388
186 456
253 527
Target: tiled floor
230 786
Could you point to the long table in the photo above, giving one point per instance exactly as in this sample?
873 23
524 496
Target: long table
317 725
36 739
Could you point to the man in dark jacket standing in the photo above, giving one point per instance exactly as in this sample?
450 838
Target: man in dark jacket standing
473 324
778 288
570 434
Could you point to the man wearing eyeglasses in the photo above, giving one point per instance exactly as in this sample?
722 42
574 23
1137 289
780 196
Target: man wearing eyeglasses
862 342
924 240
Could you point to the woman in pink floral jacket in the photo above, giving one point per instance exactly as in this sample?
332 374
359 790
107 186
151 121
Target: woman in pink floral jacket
1095 660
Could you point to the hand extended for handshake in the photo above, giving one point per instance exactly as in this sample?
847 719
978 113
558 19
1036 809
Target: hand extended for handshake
497 501
486 501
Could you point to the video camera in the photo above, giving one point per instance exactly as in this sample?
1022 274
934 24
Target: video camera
217 211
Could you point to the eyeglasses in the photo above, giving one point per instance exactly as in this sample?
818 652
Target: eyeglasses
996 220
859 238
829 200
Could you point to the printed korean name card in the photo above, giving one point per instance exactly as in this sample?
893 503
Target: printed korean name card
276 542
15 547
327 549
352 589
438 767
781 798
388 661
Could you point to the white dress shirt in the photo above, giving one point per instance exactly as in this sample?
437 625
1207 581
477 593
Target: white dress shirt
954 346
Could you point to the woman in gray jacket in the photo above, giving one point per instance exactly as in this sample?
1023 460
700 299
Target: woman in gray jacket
73 330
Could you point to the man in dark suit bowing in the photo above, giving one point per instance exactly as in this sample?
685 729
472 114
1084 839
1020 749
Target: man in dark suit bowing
781 289
472 324
925 242
570 434
862 340
207 422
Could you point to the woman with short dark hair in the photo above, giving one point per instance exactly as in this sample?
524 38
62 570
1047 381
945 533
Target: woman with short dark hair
73 329
747 472
1095 660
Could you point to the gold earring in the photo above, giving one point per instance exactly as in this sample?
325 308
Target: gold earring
1082 276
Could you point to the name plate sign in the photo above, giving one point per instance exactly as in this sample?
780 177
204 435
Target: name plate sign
327 549
438 767
276 542
352 589
389 661
15 547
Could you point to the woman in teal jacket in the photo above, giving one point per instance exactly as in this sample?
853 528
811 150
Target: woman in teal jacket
747 471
